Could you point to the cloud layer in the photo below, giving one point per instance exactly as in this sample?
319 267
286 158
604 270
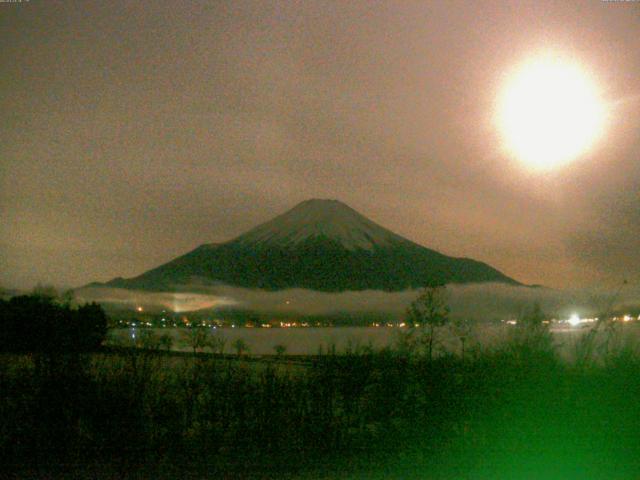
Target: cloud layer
478 302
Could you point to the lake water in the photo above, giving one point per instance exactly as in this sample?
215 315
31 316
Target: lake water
309 341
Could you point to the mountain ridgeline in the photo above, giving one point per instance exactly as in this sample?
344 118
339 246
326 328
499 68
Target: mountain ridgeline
320 245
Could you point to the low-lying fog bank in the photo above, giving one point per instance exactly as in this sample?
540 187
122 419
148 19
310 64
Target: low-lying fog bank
475 302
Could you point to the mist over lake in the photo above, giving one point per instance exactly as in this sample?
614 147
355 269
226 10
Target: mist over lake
483 302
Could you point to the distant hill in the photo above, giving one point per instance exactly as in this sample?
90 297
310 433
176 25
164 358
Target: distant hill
7 293
320 245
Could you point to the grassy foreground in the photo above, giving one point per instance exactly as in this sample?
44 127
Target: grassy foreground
513 412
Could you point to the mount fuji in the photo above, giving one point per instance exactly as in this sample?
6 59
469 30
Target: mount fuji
321 245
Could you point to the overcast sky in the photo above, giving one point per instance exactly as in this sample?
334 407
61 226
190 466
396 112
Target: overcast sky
134 131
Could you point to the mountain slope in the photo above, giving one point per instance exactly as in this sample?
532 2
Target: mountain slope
321 245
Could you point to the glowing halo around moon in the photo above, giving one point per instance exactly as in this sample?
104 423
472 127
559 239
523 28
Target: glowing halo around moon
550 112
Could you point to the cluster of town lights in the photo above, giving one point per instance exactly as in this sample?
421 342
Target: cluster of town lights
574 320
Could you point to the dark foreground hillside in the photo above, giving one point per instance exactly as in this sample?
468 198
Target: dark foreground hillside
512 413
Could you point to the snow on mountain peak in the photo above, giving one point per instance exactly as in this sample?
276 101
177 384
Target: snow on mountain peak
321 217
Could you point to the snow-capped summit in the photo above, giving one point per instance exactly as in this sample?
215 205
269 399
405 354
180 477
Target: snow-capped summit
319 245
319 218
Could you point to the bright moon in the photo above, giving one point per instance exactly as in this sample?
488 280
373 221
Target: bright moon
550 112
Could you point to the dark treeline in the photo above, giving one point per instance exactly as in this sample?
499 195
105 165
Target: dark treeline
514 411
38 324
